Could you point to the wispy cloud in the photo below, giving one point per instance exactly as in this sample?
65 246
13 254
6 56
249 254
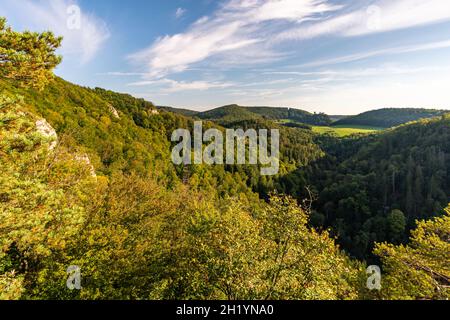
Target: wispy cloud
180 12
380 16
380 52
236 27
243 32
170 86
84 41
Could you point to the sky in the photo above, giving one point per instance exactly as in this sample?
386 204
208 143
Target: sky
332 56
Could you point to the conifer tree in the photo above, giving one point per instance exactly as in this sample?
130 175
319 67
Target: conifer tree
28 57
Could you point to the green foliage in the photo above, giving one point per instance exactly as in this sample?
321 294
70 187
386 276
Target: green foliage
28 57
343 131
184 112
396 222
387 118
362 179
227 114
231 252
232 113
134 238
297 115
419 270
113 144
103 195
39 191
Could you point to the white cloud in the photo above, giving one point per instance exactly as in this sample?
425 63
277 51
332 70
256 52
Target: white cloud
243 32
265 10
171 86
83 42
380 16
380 52
238 26
346 73
180 12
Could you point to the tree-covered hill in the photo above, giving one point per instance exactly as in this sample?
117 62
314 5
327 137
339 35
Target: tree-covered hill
318 119
373 188
134 236
184 112
131 226
87 181
389 117
234 112
227 114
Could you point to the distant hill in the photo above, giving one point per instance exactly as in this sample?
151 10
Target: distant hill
227 114
292 114
363 178
236 113
184 112
390 117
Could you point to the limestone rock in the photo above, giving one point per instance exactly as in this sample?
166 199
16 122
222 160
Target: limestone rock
85 158
114 112
44 128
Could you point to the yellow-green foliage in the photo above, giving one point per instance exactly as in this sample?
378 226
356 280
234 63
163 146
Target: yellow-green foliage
135 231
40 210
28 57
344 131
135 239
232 251
421 269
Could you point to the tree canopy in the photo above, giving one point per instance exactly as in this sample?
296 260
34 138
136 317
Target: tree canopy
28 57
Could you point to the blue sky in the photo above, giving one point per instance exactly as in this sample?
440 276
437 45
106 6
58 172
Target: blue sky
333 56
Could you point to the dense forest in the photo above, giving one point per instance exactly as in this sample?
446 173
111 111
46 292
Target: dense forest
373 188
231 113
389 117
184 112
87 180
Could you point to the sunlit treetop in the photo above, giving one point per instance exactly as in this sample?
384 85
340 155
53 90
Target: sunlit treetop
28 57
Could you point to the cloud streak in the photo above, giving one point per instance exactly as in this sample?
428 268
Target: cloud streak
381 52
235 27
244 32
171 86
380 16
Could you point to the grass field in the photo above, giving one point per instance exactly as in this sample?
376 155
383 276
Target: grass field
342 131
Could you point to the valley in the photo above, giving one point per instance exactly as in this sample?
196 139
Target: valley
89 183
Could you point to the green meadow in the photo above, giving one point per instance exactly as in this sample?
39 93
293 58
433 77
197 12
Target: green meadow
343 131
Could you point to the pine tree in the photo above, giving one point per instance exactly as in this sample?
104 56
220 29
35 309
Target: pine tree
28 57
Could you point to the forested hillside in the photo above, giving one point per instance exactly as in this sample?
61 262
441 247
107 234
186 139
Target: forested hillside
184 112
124 217
87 181
231 113
318 119
388 118
373 188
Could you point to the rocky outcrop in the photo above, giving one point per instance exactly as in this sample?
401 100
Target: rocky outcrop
85 158
114 112
44 128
